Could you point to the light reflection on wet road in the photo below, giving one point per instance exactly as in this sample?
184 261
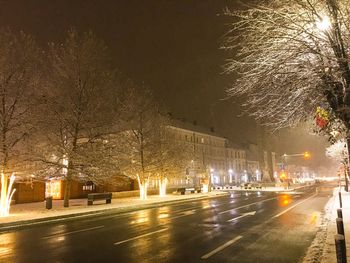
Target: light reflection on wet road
240 227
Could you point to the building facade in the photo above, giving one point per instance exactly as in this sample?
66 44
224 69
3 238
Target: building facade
212 156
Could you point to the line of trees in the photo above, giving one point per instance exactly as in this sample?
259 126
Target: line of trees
66 112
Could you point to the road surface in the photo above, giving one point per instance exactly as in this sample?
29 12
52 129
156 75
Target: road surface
240 227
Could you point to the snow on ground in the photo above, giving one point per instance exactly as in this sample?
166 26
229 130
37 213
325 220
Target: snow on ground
37 210
322 249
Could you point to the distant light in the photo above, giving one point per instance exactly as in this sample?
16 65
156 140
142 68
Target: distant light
323 24
230 171
283 175
306 155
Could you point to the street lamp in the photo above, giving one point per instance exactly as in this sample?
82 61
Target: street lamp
305 154
284 175
324 23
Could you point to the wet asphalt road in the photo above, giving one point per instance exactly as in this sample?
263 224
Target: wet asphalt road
240 227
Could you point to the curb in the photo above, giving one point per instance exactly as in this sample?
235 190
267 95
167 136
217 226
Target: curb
20 224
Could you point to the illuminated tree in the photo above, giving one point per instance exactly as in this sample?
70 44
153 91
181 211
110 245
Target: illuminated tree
171 156
79 109
338 151
291 58
139 140
19 62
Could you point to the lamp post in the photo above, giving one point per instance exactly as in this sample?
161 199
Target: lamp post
305 154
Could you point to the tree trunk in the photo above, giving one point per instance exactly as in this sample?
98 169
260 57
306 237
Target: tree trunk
4 182
209 181
6 194
162 186
143 185
68 182
68 164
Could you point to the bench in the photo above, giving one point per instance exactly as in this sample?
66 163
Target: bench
181 190
197 190
99 196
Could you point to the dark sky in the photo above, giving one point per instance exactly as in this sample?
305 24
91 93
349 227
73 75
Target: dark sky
170 46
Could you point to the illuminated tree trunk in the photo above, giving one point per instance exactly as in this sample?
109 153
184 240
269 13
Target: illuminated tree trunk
4 182
6 194
143 185
163 181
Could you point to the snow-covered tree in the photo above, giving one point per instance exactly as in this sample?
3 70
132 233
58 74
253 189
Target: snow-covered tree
291 60
79 110
338 151
139 140
19 75
171 156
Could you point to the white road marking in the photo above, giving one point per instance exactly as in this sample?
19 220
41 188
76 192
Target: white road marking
229 243
290 208
137 237
243 215
72 232
265 200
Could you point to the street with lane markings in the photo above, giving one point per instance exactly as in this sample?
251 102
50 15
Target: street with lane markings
240 227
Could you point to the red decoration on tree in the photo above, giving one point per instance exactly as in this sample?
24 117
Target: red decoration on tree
322 117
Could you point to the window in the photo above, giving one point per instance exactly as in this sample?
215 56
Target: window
202 140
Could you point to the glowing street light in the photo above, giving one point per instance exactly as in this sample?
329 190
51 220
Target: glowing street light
324 23
305 154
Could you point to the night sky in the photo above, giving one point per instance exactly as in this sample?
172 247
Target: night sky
173 47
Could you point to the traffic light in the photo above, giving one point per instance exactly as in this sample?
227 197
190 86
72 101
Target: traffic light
306 155
283 175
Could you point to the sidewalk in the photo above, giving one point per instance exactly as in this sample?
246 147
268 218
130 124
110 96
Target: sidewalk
322 248
35 213
328 255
